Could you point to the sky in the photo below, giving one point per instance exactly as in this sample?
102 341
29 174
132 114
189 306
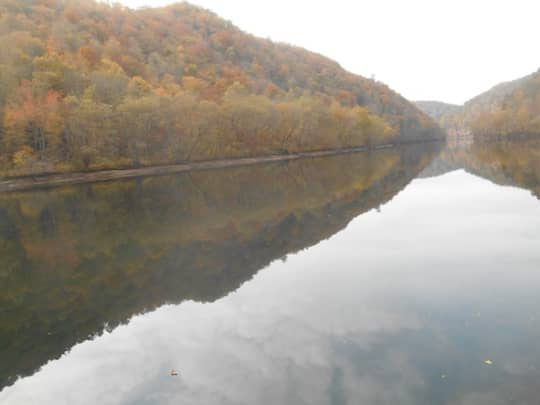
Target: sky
424 49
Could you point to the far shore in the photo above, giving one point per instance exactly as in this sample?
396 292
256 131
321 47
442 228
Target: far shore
62 179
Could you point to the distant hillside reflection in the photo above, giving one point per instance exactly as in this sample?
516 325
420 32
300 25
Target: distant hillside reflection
510 162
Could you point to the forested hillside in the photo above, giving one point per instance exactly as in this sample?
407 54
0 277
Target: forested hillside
508 109
517 112
444 114
437 109
86 85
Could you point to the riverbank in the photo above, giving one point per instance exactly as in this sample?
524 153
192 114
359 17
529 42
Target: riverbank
55 180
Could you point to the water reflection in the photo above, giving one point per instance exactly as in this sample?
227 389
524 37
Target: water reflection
513 163
78 259
405 305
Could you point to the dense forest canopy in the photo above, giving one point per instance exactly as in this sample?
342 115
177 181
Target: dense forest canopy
516 113
87 85
508 109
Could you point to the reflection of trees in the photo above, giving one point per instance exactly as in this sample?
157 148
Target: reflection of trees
78 258
515 163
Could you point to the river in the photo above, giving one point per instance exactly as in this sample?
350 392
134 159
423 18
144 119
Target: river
407 275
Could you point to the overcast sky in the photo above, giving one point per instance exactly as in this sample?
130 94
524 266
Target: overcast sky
424 49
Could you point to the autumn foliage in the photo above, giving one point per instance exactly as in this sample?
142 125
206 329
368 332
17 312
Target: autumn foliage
88 85
508 110
518 113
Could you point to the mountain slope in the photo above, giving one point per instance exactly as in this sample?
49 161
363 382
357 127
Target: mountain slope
437 109
86 85
440 112
507 109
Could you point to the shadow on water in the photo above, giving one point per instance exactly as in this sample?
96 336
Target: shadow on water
78 260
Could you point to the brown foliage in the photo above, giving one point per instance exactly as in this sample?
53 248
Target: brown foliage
173 76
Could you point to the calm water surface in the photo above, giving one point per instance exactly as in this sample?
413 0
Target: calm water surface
405 276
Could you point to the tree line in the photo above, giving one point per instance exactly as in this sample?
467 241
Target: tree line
49 132
517 114
87 85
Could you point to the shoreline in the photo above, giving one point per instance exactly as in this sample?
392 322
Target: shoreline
64 179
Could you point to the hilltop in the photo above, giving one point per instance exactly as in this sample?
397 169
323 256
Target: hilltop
86 85
437 109
440 112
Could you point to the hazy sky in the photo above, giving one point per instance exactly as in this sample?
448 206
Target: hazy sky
424 49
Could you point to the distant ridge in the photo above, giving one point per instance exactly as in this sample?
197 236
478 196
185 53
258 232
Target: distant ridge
508 109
